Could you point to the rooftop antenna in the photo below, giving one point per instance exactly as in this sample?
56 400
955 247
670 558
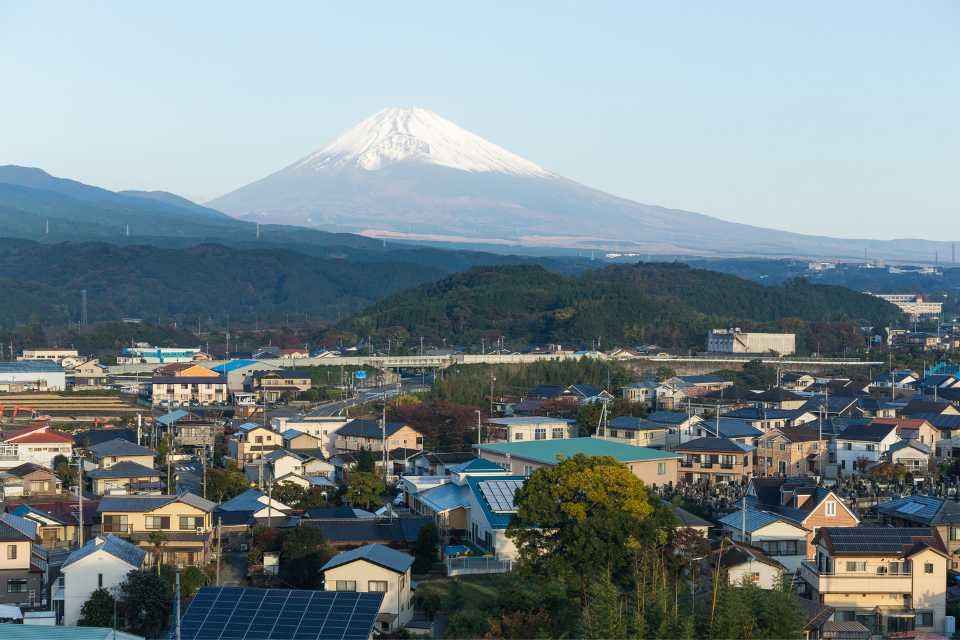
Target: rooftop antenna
46 227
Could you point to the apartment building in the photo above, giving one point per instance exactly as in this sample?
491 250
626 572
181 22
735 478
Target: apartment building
860 445
251 442
182 522
193 386
890 580
637 431
736 341
790 451
715 460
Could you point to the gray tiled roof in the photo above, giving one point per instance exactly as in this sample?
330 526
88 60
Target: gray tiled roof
119 447
117 547
142 504
377 554
124 469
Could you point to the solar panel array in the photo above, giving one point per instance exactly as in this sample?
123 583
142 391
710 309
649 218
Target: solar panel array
233 613
875 539
499 494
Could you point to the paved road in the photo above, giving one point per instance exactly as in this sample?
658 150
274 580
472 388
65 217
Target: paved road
189 477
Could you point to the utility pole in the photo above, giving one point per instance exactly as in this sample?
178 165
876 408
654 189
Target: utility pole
80 500
479 440
176 603
203 462
493 379
383 436
219 549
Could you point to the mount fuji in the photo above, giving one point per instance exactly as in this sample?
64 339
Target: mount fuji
407 173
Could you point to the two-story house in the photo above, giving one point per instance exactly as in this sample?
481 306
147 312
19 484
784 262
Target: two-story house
190 385
37 480
715 460
23 562
106 454
179 527
101 563
323 428
375 568
926 511
251 442
366 435
765 419
529 428
779 538
889 579
790 451
681 427
860 446
38 444
273 385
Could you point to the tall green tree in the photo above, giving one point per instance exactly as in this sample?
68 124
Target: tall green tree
302 554
97 611
224 484
576 518
365 489
603 614
425 549
145 603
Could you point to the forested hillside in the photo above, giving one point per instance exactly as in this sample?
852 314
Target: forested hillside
666 304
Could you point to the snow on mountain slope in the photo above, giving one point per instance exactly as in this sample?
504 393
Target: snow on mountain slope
417 135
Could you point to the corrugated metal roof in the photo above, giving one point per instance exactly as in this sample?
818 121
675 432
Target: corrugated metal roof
377 554
547 451
445 497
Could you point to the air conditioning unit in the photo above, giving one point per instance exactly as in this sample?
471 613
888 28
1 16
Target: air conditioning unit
201 531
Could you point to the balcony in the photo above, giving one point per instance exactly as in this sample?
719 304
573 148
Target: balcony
855 582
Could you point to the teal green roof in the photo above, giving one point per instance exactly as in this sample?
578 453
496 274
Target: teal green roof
547 451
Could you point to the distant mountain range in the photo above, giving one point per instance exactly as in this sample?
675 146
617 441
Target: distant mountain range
408 173
669 305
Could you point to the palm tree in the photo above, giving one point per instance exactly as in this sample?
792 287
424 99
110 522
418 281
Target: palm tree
157 538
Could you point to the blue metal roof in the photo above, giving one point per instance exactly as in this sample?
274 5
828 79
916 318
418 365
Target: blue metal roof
731 428
249 500
31 366
377 554
631 423
119 447
233 365
477 464
668 417
168 419
445 497
117 547
124 469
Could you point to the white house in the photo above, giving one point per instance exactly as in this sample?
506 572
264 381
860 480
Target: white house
323 428
375 567
913 455
529 428
38 444
102 562
777 537
745 563
860 445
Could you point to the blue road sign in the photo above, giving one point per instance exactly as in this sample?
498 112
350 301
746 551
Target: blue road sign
360 374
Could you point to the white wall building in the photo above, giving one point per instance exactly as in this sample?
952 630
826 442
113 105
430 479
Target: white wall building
375 568
859 446
323 428
522 429
736 341
102 562
145 353
32 375
911 304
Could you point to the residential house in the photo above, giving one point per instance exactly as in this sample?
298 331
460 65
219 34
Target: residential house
926 511
913 455
106 454
681 426
183 522
342 533
101 563
37 480
23 562
918 406
251 442
529 428
190 430
744 563
321 427
875 408
796 380
89 374
687 520
780 398
366 435
739 431
124 478
637 431
791 451
375 568
714 460
653 466
780 538
581 394
58 522
280 383
802 502
294 440
239 372
891 580
832 405
913 429
644 392
859 446
439 463
37 444
898 379
237 515
764 419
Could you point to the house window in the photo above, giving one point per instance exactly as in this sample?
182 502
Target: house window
114 524
831 508
755 577
518 435
558 432
856 566
346 585
11 552
189 523
661 468
848 446
156 522
928 567
954 533
924 618
16 586
527 469
100 581
377 585
871 447
540 433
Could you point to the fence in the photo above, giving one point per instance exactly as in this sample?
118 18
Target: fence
473 565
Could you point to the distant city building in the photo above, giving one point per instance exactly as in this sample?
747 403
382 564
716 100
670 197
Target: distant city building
143 353
912 305
66 357
736 341
32 375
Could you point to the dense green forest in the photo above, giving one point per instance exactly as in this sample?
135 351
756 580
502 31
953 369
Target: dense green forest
671 305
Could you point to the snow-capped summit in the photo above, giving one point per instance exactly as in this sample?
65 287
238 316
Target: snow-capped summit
415 135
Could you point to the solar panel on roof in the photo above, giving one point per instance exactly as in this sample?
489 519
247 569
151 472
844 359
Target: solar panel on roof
499 494
232 613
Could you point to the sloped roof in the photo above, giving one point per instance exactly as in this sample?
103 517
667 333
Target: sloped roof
93 437
926 406
548 451
120 447
901 541
124 469
546 391
22 525
872 432
475 465
631 423
668 417
754 519
685 518
168 419
360 428
10 532
323 513
445 497
38 435
736 553
27 468
731 428
344 531
117 547
926 510
712 444
143 504
377 554
913 444
802 433
778 394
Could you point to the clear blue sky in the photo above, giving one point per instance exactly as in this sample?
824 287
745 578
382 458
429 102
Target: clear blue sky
840 118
